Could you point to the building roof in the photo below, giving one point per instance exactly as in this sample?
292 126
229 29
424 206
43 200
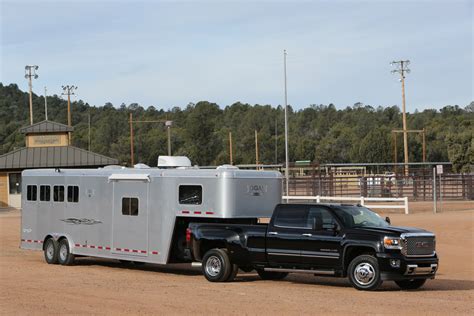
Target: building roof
53 157
46 127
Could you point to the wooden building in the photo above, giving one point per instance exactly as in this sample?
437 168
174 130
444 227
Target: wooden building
47 146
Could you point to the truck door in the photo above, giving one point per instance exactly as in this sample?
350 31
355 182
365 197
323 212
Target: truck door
130 218
322 246
284 235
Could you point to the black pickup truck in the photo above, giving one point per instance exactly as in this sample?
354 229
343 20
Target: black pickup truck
321 239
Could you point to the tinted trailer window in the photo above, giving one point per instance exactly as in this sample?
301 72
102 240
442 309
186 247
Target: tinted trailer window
190 194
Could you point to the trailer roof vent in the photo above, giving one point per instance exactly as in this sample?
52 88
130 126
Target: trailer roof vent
173 161
141 166
227 167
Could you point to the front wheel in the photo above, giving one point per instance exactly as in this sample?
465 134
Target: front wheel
270 275
411 284
364 273
65 256
216 265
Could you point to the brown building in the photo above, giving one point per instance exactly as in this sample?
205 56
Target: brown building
47 146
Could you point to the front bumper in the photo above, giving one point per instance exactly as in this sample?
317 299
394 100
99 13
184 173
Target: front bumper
407 268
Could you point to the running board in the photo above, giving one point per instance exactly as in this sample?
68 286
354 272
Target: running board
325 272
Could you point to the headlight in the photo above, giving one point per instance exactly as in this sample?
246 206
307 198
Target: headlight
392 242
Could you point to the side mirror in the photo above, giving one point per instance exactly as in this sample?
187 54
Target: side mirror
387 219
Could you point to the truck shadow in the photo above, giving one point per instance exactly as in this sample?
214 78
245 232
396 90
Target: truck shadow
388 286
182 268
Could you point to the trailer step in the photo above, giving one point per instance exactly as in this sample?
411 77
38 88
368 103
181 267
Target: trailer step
323 272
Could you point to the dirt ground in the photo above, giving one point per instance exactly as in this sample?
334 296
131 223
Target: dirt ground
30 286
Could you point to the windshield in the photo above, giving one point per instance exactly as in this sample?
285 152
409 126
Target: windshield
359 216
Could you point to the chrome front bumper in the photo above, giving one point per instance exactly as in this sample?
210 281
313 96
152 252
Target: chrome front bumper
414 269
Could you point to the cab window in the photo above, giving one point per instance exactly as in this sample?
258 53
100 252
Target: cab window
292 217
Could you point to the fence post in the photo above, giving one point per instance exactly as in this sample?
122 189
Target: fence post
318 200
406 204
362 201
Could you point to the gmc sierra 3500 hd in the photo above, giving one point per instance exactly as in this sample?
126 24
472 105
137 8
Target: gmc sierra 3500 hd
321 239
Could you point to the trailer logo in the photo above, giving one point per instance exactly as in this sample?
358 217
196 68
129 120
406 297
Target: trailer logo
81 221
256 189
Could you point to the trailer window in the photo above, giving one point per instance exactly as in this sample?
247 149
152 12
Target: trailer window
190 194
73 194
58 193
130 206
31 191
45 193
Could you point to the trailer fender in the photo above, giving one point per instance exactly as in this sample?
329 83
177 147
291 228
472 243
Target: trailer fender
58 237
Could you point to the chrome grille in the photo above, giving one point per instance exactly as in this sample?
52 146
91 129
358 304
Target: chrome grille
418 246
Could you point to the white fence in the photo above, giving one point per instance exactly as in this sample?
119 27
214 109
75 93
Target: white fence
362 200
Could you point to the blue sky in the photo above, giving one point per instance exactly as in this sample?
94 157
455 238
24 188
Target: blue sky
170 53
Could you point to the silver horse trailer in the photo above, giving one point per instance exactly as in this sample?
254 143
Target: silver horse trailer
136 214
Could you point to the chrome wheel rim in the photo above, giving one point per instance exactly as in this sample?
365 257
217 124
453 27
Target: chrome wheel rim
213 266
50 250
364 273
63 252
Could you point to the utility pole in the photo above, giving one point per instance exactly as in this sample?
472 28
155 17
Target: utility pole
89 136
45 105
168 127
69 90
402 68
131 140
286 127
230 148
30 72
276 141
256 149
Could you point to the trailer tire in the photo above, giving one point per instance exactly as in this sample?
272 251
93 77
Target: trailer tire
51 251
216 265
270 275
65 257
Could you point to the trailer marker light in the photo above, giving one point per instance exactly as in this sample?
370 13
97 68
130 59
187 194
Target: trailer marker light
209 213
197 212
185 212
188 234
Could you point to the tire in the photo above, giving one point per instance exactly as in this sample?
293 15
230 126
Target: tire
411 284
51 251
216 265
364 273
233 273
65 257
270 275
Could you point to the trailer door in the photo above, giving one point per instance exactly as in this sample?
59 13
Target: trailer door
130 218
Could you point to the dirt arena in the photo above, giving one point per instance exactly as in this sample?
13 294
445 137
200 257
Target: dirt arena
30 286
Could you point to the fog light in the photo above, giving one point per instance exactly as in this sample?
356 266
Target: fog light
395 263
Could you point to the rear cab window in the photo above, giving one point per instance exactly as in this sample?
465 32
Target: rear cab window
291 216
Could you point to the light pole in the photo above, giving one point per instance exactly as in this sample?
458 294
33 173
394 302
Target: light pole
286 128
402 68
30 72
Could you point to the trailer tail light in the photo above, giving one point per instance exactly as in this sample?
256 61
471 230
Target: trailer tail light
188 234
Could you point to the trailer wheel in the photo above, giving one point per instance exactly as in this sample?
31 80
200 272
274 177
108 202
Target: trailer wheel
271 275
65 257
51 251
216 265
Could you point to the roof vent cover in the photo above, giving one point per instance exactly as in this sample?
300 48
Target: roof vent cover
173 161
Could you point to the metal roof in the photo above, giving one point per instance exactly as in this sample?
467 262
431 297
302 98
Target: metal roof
53 157
46 127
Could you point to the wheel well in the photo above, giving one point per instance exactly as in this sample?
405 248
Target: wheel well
205 246
355 251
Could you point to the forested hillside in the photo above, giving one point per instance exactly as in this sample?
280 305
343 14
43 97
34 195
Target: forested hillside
321 133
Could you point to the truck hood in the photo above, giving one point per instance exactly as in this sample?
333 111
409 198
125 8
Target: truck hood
390 230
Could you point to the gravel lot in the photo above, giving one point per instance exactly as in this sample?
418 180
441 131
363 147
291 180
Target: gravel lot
30 286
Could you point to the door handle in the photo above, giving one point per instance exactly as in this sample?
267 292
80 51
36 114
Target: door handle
272 233
307 235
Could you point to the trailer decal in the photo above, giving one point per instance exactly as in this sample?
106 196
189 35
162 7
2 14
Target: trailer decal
79 221
32 241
